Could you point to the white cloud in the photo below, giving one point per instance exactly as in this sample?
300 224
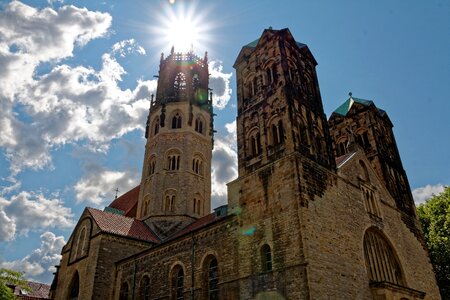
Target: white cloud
98 186
224 165
67 104
422 194
32 211
219 82
39 265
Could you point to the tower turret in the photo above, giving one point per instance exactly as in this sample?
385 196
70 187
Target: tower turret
176 176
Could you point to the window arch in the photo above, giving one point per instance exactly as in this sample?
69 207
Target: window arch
255 142
197 165
179 84
81 238
144 288
173 160
277 132
177 121
155 126
213 279
199 125
177 283
364 171
381 262
169 201
197 204
152 165
266 258
74 289
124 291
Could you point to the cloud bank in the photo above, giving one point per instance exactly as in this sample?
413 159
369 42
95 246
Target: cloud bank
422 194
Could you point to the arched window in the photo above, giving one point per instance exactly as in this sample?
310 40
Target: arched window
213 280
197 205
197 165
74 287
178 284
170 203
199 125
381 262
144 288
173 160
81 243
176 121
179 84
266 258
156 126
123 295
152 166
255 143
277 133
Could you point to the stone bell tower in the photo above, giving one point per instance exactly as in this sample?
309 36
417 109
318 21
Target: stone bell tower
176 174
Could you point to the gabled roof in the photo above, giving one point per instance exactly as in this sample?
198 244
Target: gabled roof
345 107
121 225
37 291
341 160
127 202
200 223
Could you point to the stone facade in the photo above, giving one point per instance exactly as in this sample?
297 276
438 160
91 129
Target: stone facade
302 222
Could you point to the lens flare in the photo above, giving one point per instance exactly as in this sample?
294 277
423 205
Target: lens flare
182 25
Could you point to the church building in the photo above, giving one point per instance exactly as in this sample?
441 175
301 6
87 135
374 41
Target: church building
321 209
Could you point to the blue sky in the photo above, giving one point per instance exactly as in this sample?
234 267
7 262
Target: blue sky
75 78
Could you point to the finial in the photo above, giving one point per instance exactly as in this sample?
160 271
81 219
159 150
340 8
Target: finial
117 191
206 56
172 50
162 56
350 94
192 48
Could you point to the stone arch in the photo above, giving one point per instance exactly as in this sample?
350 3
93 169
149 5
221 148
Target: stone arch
341 145
210 276
146 205
151 165
198 164
271 73
382 263
155 126
177 281
124 291
176 119
254 142
200 124
277 131
197 204
144 287
170 197
250 85
173 159
81 240
362 138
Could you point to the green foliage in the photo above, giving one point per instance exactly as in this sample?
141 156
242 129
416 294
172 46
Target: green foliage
434 216
13 278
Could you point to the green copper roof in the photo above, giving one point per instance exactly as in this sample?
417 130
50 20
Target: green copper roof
345 107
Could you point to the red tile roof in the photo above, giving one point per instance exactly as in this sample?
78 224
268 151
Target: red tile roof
202 222
38 291
127 202
121 225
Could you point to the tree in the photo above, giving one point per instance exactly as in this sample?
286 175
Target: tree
434 215
11 278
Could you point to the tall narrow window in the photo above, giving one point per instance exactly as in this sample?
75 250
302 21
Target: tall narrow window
156 126
152 166
199 125
176 121
277 133
266 258
213 280
74 287
173 161
123 291
179 284
144 289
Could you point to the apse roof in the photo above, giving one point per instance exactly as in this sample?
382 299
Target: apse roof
121 225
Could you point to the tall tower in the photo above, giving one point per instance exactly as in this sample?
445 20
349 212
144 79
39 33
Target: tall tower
279 104
176 174
370 127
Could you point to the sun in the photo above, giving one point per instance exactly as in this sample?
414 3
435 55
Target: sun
182 27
